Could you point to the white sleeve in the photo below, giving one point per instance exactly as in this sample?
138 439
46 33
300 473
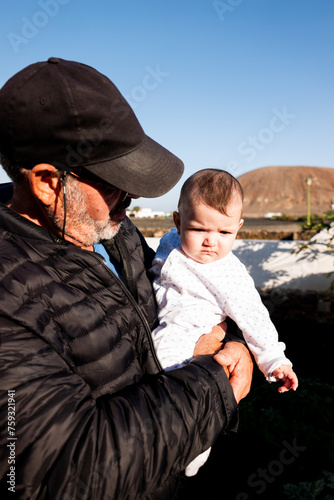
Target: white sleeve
245 307
168 242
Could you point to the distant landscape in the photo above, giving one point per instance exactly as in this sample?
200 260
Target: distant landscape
253 228
284 189
280 190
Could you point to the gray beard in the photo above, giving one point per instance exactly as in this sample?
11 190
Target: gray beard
79 225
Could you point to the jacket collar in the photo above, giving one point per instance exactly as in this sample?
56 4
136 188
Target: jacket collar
6 192
18 225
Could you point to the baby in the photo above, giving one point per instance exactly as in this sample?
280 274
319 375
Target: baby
199 282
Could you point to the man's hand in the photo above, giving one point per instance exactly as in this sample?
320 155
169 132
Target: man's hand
211 343
239 362
234 358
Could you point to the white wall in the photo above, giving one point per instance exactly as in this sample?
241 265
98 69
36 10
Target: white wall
274 265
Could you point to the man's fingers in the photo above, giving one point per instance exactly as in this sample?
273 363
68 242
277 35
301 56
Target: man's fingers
241 375
224 359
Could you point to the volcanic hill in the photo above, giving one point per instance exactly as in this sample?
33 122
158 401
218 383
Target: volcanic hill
284 189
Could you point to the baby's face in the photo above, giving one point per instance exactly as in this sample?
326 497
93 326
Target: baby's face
206 234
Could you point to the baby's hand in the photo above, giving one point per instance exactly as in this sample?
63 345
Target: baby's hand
286 374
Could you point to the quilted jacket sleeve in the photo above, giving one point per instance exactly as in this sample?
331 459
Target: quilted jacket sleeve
122 446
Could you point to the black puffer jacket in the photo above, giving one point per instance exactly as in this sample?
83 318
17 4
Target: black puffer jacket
94 416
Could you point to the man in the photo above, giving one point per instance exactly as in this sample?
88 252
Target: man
86 410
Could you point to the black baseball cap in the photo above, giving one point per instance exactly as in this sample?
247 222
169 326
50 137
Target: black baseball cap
69 115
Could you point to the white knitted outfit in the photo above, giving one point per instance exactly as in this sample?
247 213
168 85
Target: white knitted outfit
193 298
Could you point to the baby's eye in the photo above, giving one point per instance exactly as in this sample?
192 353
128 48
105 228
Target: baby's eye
224 232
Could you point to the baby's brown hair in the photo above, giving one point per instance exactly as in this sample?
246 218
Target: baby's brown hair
211 186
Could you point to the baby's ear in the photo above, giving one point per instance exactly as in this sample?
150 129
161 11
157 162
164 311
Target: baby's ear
177 221
241 223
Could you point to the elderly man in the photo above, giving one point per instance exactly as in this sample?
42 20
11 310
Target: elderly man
86 410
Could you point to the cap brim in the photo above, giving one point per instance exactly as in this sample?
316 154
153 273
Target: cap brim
150 170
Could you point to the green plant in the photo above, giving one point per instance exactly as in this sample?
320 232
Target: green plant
322 489
329 215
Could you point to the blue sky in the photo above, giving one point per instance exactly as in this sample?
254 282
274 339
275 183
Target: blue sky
231 84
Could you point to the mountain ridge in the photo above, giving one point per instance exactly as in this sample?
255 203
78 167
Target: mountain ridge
284 189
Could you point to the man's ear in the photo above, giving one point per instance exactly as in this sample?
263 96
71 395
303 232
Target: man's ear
45 183
177 221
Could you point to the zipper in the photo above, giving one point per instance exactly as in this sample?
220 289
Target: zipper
135 305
